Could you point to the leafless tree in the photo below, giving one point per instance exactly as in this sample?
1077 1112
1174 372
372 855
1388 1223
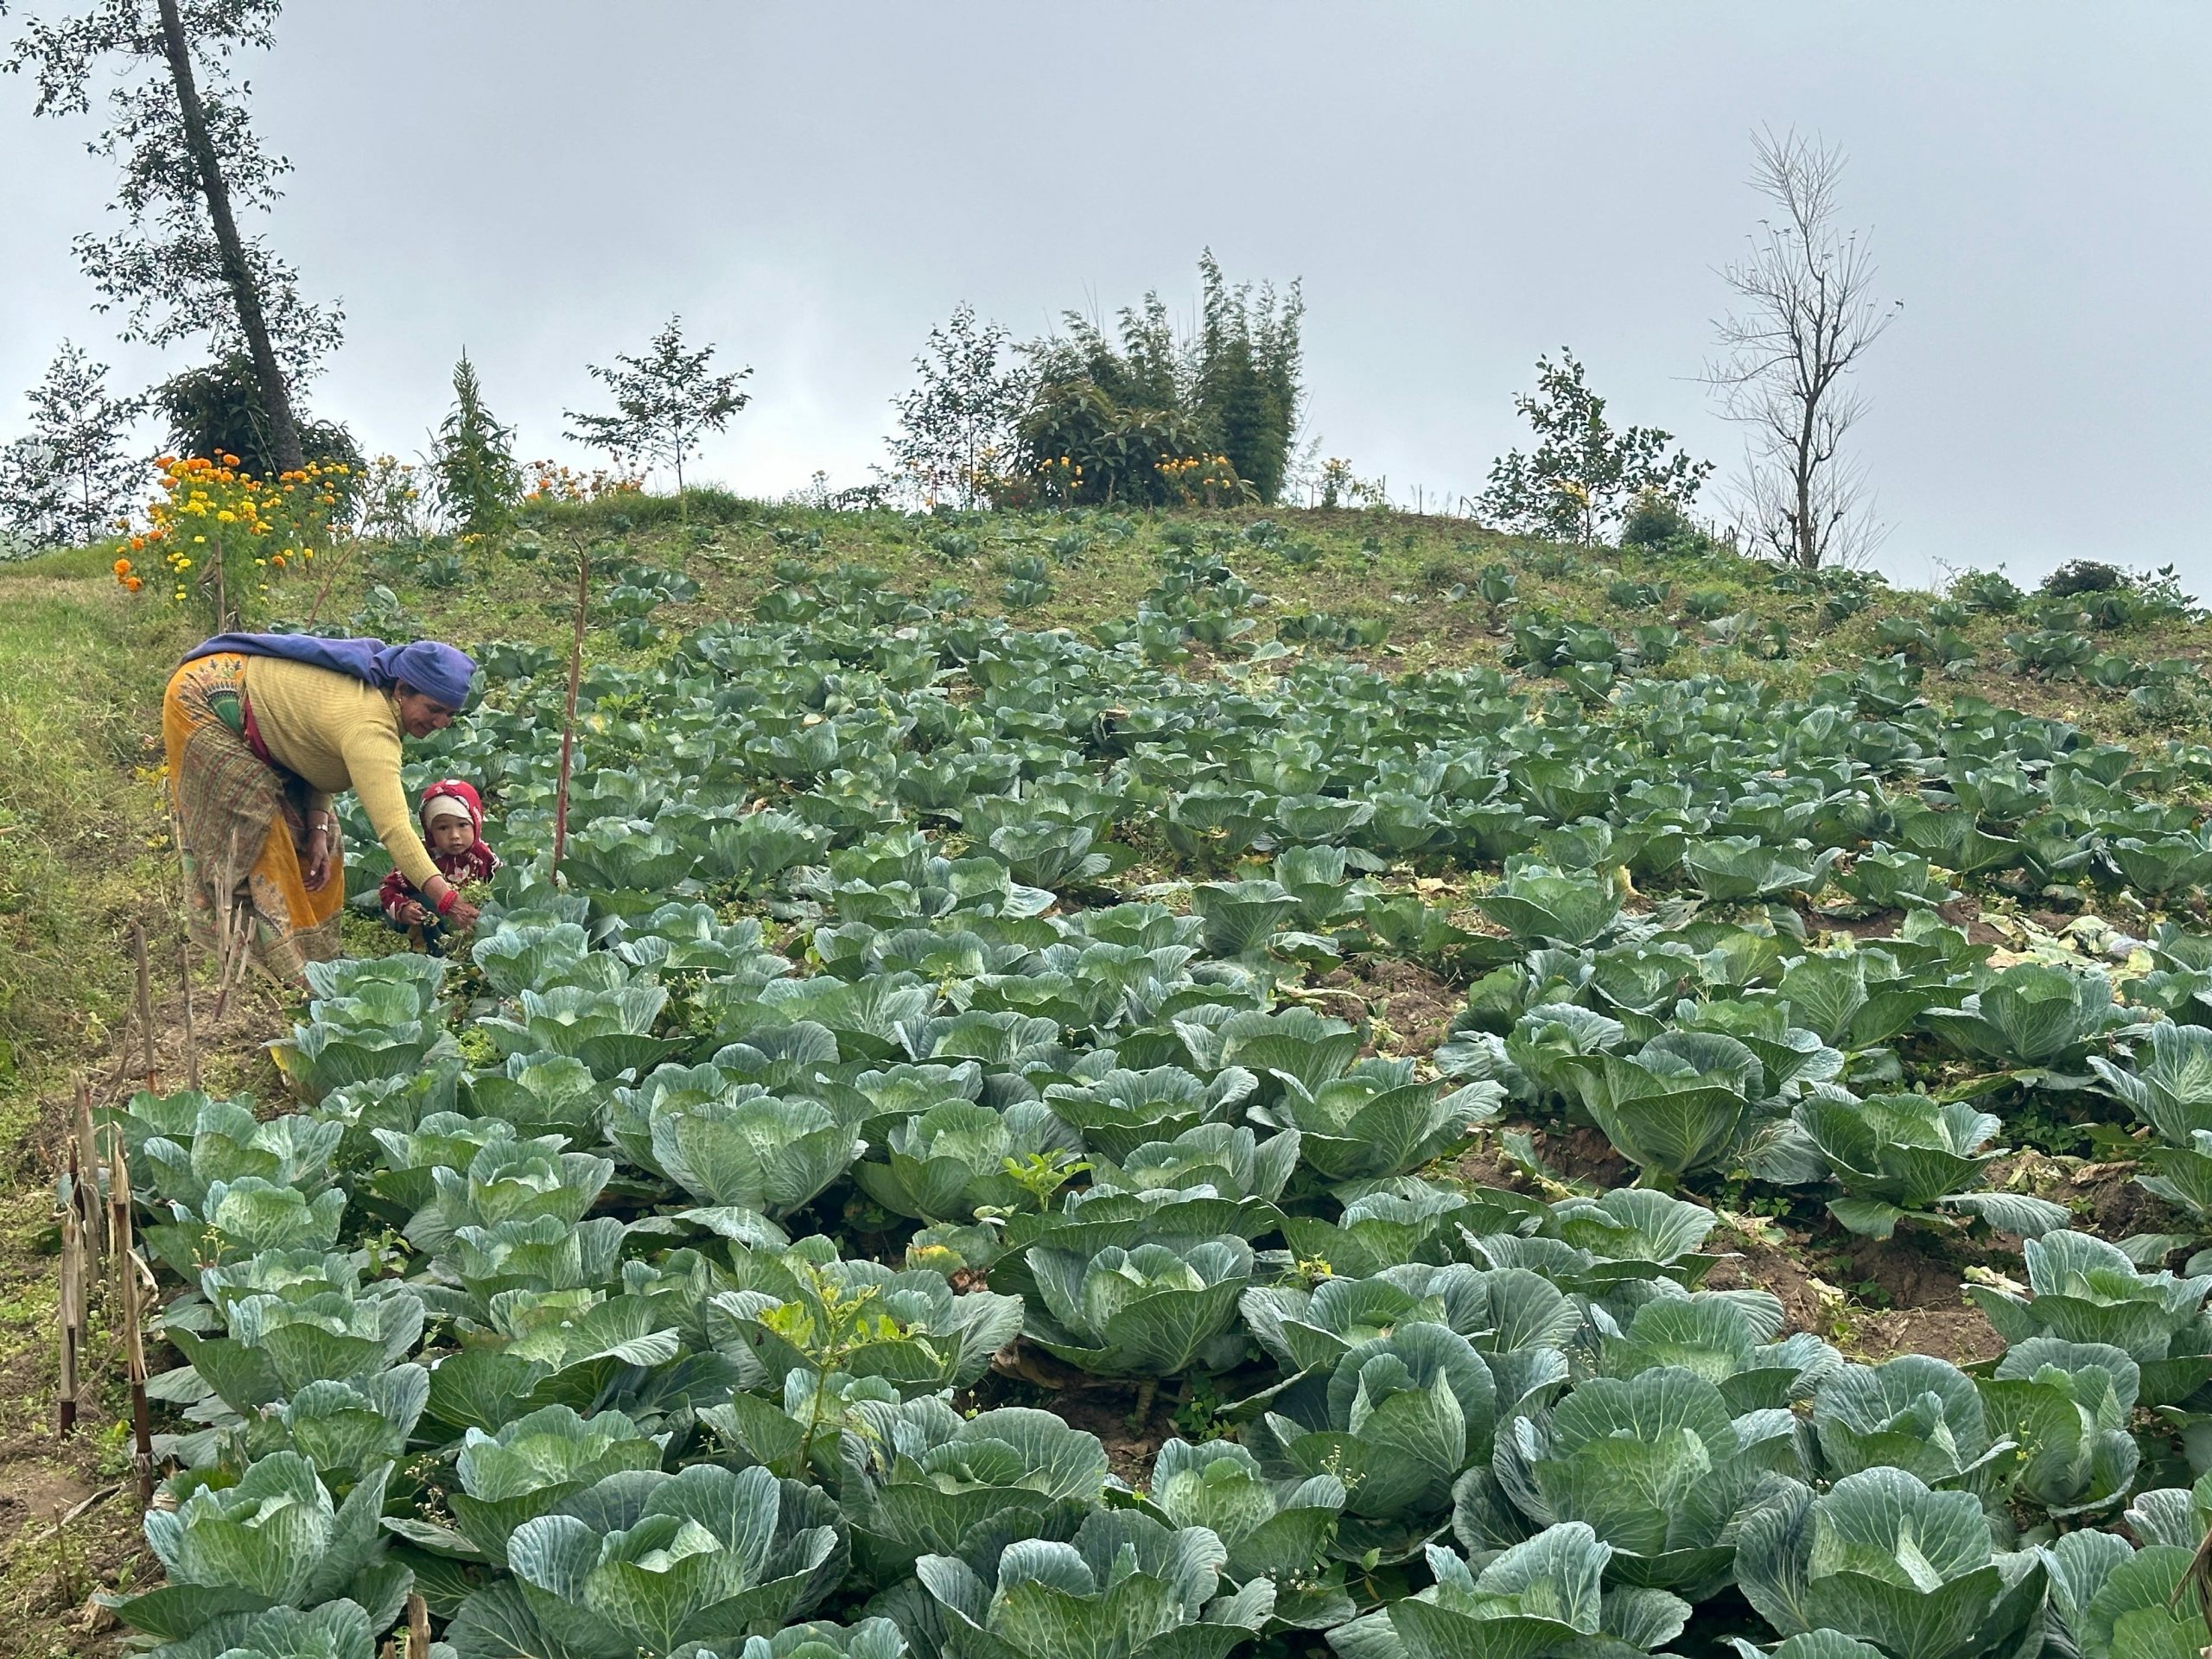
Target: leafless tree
1805 315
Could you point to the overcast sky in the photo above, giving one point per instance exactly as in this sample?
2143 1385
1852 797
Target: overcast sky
1460 186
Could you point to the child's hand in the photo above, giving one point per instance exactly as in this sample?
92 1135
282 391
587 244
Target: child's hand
414 914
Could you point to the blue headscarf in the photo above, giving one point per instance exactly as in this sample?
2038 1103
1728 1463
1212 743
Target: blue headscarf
436 670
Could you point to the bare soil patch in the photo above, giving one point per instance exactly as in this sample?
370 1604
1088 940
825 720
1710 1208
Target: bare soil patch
1412 1009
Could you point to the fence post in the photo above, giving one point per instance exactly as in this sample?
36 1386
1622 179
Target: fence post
134 1345
145 1005
86 1156
569 715
191 1037
72 1316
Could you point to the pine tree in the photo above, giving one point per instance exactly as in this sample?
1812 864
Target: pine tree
473 457
66 480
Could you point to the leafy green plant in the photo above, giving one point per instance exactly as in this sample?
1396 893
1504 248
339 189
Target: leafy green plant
1143 1312
1879 1556
1275 1533
1896 1155
273 1538
1543 1597
1656 1465
1137 1587
1397 1419
2083 1290
805 1308
939 1482
655 1561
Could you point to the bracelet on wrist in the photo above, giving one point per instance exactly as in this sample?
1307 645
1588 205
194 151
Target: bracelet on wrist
447 900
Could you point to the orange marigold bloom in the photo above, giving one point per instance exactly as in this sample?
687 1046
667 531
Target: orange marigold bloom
123 567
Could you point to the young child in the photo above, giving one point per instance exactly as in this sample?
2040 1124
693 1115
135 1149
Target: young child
453 829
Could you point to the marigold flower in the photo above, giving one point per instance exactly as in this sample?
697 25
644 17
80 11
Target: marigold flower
123 567
132 583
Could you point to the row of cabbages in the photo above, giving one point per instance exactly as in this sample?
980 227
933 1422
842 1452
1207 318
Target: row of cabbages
564 1297
534 1339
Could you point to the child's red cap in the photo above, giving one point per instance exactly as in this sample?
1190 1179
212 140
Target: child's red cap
454 789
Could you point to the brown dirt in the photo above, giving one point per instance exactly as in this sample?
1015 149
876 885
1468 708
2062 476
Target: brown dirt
1486 1165
1581 1155
1959 1334
1808 1302
2105 1199
1965 912
1105 1413
1882 925
1411 1007
1928 1312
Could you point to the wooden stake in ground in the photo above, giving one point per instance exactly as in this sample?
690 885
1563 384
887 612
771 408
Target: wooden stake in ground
191 1038
419 1628
569 715
145 1004
85 1160
73 1317
134 1345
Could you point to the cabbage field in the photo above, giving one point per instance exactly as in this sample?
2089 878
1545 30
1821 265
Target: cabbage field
928 1178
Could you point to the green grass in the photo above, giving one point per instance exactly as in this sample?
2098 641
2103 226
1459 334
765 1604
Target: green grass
1358 563
84 827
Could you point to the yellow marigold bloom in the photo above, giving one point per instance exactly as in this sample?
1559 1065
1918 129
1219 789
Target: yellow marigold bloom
226 517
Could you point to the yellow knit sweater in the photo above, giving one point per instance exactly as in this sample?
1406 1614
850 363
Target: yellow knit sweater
336 733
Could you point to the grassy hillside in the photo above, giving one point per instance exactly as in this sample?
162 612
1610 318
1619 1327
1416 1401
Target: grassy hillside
1408 592
1199 610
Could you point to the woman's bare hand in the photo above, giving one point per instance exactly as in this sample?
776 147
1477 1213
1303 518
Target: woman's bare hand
462 917
317 873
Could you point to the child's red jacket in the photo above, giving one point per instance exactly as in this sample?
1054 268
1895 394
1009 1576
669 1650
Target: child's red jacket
475 864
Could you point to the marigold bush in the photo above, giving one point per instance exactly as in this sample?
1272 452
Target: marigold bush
222 535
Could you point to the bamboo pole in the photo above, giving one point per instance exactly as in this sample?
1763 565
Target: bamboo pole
134 1345
191 1038
72 1317
236 954
569 714
84 1157
145 1005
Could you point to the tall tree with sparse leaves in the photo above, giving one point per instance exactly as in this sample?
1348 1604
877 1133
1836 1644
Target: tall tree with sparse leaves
1581 478
67 479
181 266
958 426
664 402
1806 314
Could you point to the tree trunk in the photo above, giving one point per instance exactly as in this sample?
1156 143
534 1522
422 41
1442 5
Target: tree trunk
284 434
